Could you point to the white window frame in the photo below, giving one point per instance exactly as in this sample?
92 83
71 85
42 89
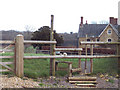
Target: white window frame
109 32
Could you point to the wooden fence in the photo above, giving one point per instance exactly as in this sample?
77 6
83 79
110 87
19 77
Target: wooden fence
19 57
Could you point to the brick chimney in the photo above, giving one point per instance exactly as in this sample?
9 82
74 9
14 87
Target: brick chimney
86 22
81 21
113 21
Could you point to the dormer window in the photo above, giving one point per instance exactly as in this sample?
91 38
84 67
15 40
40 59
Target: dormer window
109 31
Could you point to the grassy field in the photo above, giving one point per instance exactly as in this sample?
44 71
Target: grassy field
34 68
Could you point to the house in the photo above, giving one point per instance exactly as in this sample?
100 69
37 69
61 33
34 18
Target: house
99 32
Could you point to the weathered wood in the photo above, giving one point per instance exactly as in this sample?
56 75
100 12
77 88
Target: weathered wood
19 47
86 59
86 78
76 70
9 50
75 56
6 42
69 70
4 70
64 62
68 49
91 60
79 61
53 73
98 43
91 65
39 42
82 81
6 63
4 57
86 85
51 47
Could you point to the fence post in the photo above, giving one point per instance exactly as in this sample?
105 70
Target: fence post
91 60
19 53
79 61
86 59
51 45
53 69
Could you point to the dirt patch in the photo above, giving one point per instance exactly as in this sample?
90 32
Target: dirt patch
52 82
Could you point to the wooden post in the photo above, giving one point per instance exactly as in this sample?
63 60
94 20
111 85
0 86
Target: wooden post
91 60
79 61
19 53
53 69
51 45
70 70
118 51
85 59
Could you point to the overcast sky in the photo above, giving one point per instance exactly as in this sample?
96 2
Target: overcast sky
16 14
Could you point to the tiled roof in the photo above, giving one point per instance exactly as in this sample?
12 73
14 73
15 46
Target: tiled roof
93 29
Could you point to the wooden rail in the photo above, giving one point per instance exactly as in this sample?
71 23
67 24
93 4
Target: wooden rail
39 42
68 49
8 50
7 42
98 43
76 56
4 57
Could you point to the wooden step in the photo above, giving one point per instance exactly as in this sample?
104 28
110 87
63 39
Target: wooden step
86 78
85 85
83 82
76 70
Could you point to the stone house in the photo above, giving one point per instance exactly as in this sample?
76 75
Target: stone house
99 32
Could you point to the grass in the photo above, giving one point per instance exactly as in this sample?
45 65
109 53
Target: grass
35 68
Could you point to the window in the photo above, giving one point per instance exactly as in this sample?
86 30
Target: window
109 40
88 40
109 31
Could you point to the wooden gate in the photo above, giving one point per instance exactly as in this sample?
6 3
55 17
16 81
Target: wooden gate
2 51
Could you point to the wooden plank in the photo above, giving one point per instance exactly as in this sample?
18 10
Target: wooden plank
4 70
6 63
68 49
86 78
64 62
10 50
82 81
76 70
4 57
19 47
98 43
39 42
86 85
75 56
6 42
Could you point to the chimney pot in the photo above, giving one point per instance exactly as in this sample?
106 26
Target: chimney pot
81 20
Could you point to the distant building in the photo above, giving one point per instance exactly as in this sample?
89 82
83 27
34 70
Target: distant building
99 32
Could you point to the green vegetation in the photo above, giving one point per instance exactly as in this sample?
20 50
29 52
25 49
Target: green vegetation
35 68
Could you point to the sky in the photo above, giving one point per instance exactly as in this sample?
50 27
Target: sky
33 14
